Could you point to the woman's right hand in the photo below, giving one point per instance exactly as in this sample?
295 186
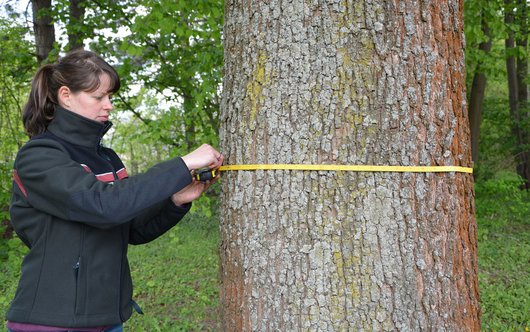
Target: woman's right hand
204 156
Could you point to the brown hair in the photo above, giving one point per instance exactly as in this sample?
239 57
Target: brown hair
78 70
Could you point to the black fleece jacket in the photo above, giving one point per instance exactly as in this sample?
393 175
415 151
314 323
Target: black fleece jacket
77 210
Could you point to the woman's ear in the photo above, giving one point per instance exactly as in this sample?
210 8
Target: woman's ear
63 96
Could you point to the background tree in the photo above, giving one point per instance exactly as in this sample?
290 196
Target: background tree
76 36
516 19
481 18
351 83
43 28
488 24
477 94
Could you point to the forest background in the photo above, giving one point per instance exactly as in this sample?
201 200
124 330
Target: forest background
169 55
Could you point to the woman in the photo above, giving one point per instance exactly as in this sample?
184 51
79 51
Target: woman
77 210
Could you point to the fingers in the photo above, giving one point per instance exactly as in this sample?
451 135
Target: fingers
189 193
218 162
204 156
217 157
210 156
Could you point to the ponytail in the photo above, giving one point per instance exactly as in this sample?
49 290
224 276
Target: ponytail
78 70
40 108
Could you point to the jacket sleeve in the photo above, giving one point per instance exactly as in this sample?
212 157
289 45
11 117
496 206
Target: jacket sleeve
52 182
156 221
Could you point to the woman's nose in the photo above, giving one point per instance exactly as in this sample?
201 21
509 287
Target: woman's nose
108 104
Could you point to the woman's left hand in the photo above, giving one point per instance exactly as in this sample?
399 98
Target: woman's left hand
193 191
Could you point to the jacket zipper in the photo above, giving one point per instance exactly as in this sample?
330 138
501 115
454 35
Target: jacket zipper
76 276
77 268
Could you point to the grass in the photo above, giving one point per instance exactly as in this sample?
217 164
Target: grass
504 277
504 253
504 280
176 276
176 279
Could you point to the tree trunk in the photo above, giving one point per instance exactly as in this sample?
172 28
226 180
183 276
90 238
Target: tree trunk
350 82
517 70
76 36
522 60
511 67
476 96
190 130
523 109
43 28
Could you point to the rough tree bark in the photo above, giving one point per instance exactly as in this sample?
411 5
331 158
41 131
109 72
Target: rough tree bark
43 28
346 82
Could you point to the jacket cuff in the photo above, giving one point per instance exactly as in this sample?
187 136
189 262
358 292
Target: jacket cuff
184 208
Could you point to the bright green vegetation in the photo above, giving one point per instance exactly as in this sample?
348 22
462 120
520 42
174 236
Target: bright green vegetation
503 215
504 254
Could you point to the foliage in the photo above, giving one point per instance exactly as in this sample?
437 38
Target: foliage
502 201
16 67
477 15
172 50
497 148
496 140
502 215
10 271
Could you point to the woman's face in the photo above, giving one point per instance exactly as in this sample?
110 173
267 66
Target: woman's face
95 105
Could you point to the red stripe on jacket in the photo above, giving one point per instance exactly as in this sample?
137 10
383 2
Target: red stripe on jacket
122 174
105 177
16 178
109 176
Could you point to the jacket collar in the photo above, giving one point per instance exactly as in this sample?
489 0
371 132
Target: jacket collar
77 129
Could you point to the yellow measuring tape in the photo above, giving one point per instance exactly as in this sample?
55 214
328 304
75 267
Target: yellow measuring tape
208 174
351 168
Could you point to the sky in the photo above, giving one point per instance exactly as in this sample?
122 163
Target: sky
19 5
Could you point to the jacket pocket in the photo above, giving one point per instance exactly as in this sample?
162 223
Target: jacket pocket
80 286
